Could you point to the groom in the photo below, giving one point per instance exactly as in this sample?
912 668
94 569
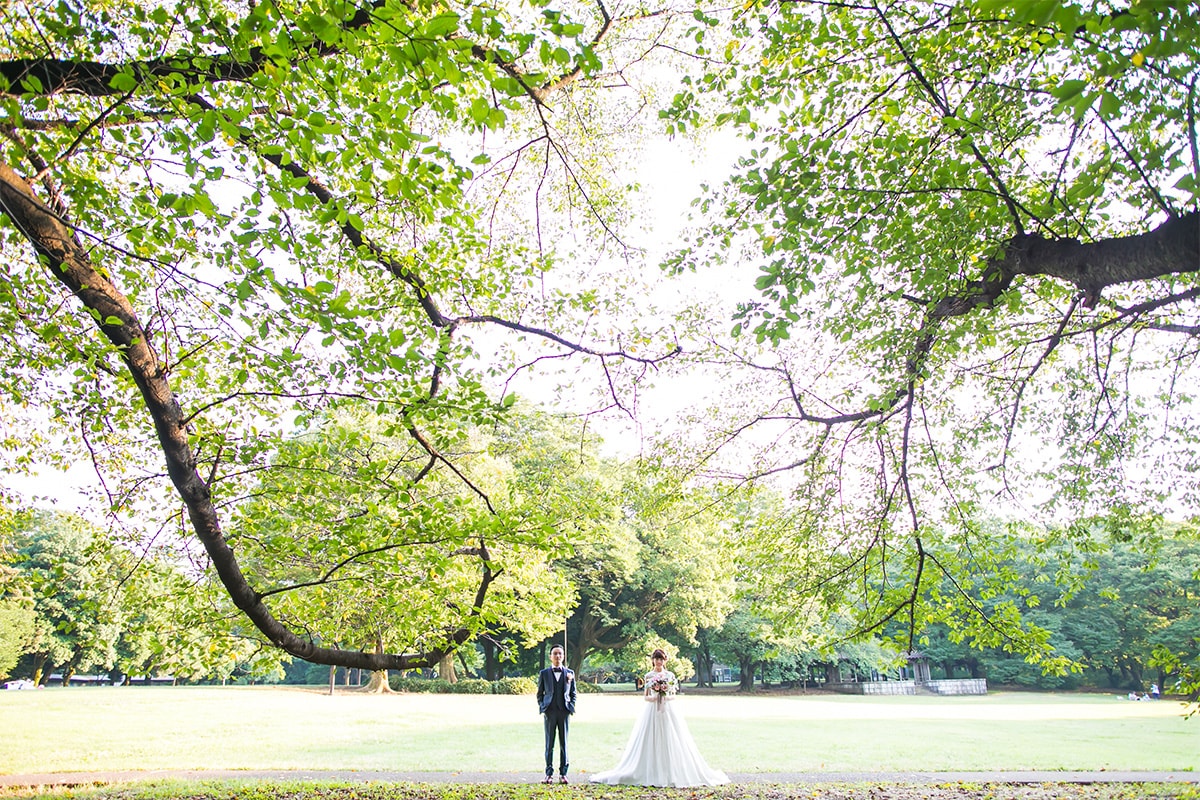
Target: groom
556 701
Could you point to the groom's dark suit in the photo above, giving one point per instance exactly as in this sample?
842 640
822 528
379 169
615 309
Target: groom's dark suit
556 701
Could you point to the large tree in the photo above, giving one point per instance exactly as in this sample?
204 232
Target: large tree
350 547
655 564
975 241
17 617
75 587
219 218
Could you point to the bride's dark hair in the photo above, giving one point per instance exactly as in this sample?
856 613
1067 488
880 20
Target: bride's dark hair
658 653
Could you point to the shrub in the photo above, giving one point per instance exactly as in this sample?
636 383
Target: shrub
416 685
521 685
471 686
586 688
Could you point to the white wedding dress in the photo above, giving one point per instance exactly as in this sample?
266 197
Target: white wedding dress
660 751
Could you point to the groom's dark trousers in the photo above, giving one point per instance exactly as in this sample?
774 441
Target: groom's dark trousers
556 701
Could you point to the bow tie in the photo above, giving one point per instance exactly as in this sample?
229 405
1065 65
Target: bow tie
558 669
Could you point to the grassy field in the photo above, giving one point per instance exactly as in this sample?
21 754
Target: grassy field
309 789
137 728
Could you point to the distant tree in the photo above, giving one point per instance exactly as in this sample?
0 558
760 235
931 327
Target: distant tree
705 658
653 564
1133 603
74 590
360 555
17 625
791 662
1006 668
17 615
634 658
746 640
172 624
1106 603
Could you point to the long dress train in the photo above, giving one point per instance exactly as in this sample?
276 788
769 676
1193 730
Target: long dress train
660 751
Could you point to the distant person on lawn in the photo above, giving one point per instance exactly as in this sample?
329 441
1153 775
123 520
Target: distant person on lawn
556 702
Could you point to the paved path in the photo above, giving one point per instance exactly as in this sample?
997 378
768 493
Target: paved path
98 778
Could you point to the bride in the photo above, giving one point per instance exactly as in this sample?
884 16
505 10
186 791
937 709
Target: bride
660 751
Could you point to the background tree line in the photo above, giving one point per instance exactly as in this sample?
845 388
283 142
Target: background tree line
648 566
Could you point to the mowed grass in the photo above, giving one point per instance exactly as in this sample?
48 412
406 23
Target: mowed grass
183 728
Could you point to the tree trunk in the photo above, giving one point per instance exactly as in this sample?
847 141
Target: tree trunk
1173 248
592 636
379 683
746 681
704 663
489 659
703 672
70 667
462 662
39 669
446 668
332 679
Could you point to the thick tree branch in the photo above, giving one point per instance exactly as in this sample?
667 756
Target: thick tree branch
357 237
52 76
1173 248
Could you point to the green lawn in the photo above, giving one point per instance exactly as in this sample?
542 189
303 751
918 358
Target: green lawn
140 728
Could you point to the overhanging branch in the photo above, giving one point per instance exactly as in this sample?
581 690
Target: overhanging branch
67 260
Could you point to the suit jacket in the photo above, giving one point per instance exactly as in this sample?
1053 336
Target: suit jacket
556 694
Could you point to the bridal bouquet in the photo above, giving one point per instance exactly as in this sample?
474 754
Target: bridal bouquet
664 686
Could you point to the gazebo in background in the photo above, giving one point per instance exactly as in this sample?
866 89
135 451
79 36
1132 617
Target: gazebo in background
918 667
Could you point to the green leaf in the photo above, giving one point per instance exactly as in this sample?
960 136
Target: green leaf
442 25
1068 89
124 81
1110 105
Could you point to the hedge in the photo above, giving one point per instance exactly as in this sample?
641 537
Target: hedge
520 685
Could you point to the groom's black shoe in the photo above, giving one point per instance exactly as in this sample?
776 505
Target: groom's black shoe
549 779
561 779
